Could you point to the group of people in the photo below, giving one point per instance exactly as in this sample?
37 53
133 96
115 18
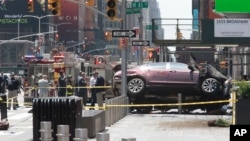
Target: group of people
9 89
66 86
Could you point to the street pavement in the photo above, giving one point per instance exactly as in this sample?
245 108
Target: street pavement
142 127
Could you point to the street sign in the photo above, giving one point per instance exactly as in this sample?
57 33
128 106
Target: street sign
140 43
132 10
139 5
150 27
123 33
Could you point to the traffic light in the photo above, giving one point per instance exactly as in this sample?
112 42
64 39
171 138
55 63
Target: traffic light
90 3
55 7
56 37
152 54
111 8
223 64
30 6
26 73
179 36
108 36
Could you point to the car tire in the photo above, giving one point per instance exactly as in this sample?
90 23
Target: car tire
210 86
136 87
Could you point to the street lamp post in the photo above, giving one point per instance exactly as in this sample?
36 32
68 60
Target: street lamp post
56 25
39 20
39 25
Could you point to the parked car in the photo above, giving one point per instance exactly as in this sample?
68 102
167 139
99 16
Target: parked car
161 82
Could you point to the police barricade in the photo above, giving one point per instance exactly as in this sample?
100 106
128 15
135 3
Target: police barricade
58 110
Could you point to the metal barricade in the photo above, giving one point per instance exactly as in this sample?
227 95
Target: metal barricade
116 109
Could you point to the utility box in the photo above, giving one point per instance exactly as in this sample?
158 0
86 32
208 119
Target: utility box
94 121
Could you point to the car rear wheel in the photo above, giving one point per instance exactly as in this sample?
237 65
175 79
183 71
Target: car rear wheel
210 86
136 86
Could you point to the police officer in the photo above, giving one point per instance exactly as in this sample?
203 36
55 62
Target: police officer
3 97
82 88
62 84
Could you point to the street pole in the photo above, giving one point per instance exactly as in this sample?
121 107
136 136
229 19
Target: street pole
18 28
140 53
123 52
39 20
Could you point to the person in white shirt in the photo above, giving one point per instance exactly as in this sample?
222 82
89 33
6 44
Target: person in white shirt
43 86
93 90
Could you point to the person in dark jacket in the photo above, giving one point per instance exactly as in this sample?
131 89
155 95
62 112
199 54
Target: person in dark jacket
100 82
62 84
12 86
3 98
82 83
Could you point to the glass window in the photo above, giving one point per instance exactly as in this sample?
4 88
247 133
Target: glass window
157 66
178 66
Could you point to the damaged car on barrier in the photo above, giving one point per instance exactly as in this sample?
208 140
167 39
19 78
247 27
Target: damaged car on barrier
161 82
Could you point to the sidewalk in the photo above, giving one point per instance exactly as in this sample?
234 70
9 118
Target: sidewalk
167 127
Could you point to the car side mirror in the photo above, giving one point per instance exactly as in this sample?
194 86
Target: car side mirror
191 68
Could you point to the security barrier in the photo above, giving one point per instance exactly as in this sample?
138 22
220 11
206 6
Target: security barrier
115 113
46 131
58 110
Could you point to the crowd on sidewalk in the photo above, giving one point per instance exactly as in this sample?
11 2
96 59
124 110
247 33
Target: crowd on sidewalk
11 85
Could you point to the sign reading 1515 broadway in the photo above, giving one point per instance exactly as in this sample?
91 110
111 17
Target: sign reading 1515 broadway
232 28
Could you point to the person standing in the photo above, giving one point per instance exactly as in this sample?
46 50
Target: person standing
77 81
12 86
3 98
100 91
92 89
82 88
43 86
69 86
62 85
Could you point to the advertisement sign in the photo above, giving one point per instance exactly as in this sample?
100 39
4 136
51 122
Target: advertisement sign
232 6
231 27
68 32
13 10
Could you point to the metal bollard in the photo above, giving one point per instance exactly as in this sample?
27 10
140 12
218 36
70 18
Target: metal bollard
102 137
46 131
63 133
179 102
81 134
128 139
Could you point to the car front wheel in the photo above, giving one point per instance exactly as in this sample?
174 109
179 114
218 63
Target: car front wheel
210 86
136 86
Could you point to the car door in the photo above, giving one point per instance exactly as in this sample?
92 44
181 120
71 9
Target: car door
156 73
178 73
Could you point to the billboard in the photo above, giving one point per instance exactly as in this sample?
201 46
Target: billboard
69 31
231 27
232 6
225 31
13 10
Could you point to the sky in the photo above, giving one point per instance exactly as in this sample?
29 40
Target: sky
176 9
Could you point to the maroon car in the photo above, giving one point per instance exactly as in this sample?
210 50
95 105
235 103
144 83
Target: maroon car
162 81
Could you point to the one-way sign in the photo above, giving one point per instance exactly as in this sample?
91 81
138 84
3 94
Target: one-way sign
140 43
123 33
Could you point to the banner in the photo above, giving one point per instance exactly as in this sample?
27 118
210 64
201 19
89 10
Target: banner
231 27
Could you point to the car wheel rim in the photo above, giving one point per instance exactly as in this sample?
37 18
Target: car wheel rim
135 85
210 85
